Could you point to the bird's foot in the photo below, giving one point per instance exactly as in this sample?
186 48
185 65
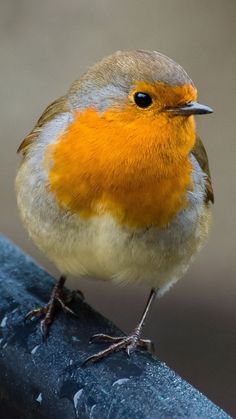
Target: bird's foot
128 343
57 300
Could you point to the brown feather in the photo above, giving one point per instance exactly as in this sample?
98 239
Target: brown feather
54 109
200 155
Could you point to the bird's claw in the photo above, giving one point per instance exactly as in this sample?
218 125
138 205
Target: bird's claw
128 343
48 311
36 312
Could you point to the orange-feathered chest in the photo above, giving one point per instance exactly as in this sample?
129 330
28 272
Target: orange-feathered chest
136 169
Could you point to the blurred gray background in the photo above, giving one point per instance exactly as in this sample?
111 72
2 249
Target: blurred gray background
45 45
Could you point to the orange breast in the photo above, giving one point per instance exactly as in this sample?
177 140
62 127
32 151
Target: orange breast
135 168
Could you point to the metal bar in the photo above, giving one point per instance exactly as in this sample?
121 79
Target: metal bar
46 380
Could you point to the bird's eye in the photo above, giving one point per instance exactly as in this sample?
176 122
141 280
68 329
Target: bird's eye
142 100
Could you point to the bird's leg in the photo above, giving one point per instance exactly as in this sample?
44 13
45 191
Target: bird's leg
48 312
130 342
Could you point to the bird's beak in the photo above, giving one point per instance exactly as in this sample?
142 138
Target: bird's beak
190 108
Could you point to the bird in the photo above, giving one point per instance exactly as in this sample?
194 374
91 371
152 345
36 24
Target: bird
114 182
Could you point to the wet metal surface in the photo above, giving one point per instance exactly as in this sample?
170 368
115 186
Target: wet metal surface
47 380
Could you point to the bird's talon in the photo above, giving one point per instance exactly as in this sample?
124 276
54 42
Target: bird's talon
147 345
130 348
87 361
105 338
78 293
36 312
65 308
102 354
49 311
44 328
128 343
72 295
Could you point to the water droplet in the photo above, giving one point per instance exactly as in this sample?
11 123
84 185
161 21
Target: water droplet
39 398
35 349
3 322
120 381
91 411
77 397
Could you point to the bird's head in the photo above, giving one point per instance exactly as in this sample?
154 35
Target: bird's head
131 134
144 94
144 83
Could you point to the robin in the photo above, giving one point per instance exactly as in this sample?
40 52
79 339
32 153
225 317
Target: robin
114 182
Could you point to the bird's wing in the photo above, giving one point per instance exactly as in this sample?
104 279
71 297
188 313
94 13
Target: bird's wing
200 155
54 109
